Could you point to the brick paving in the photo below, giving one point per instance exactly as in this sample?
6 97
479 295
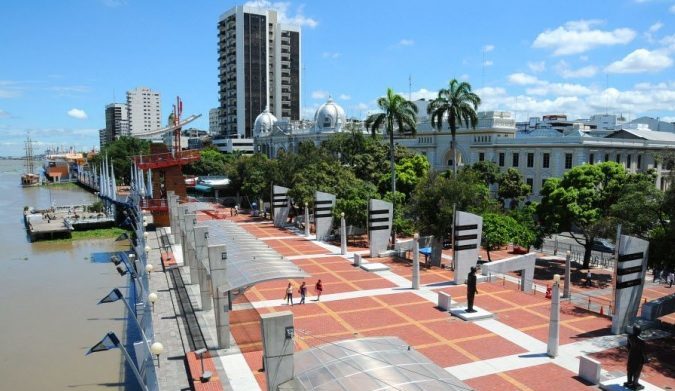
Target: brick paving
445 340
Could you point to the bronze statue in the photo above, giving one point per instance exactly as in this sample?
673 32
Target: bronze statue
471 289
637 357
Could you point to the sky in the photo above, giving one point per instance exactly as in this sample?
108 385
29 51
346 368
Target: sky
62 61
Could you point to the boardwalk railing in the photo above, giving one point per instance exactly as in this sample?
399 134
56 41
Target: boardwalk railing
598 259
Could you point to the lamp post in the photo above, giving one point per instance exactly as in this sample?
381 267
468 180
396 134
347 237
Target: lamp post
157 348
206 375
153 298
306 219
568 266
554 324
343 234
148 269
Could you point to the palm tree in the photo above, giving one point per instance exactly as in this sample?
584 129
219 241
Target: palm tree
460 105
399 112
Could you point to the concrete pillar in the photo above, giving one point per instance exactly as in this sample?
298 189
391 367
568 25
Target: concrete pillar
416 262
179 228
307 232
189 248
201 260
357 259
554 325
343 234
568 279
278 347
221 302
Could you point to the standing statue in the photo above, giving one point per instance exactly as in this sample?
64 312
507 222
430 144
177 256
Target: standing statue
471 289
637 357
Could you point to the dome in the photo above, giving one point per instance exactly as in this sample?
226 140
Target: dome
264 122
329 117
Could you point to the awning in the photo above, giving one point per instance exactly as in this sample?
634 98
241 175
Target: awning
368 364
249 260
204 188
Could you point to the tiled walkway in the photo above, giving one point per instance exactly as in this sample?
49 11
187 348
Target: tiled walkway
504 353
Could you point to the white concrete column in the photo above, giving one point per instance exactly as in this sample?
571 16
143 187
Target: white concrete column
307 232
416 262
343 234
554 325
278 347
201 259
221 302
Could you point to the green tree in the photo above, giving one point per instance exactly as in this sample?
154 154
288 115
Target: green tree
459 105
121 153
498 231
488 171
433 200
583 199
211 162
639 189
511 186
397 113
410 170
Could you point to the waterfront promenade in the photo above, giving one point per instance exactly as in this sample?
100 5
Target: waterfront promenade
506 352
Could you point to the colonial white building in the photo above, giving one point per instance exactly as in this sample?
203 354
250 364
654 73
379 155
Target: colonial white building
538 154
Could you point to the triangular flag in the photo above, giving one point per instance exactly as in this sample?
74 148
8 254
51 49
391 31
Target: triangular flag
110 341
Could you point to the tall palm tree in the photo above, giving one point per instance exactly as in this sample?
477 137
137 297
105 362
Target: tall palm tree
399 113
460 105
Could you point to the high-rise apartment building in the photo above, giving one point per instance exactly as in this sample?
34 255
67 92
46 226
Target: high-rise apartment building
145 112
259 67
116 121
216 121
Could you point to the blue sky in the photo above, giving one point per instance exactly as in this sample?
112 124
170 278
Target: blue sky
63 61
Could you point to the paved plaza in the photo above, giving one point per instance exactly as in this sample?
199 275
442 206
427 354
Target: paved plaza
506 352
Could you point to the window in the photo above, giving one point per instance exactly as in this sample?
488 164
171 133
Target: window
568 161
481 156
547 160
501 159
516 157
606 157
530 159
628 161
618 158
530 182
639 162
591 158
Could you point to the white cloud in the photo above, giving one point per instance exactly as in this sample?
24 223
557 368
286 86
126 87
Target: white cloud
319 94
566 72
10 89
422 93
361 106
488 48
77 114
649 35
283 12
640 60
331 54
669 42
488 63
672 9
345 97
406 42
559 89
464 77
537 67
577 37
522 79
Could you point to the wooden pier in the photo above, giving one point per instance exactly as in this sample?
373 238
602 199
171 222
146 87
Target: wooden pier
59 222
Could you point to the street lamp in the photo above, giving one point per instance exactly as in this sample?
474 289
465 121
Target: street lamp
157 348
206 375
153 298
149 268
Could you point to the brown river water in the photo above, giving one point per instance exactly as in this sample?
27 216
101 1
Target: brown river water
48 296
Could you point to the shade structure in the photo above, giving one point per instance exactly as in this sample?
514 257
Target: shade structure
368 364
249 260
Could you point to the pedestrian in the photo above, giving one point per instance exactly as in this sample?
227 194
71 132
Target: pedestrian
671 277
236 210
303 292
318 288
589 277
289 294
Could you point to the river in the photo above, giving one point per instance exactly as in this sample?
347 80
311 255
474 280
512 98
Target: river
48 296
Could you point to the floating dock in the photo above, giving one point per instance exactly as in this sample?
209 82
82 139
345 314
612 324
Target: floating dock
59 222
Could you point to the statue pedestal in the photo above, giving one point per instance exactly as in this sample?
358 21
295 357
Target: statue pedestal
617 385
460 312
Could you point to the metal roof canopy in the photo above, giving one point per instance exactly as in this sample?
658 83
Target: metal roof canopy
379 363
250 264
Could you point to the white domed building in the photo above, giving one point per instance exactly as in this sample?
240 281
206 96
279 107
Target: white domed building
272 136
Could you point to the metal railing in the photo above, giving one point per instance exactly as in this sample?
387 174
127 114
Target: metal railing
598 259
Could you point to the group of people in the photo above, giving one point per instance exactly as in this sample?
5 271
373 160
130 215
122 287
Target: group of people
662 275
318 288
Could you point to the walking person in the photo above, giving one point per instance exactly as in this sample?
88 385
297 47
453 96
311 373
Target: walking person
671 277
589 276
318 288
289 294
303 292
